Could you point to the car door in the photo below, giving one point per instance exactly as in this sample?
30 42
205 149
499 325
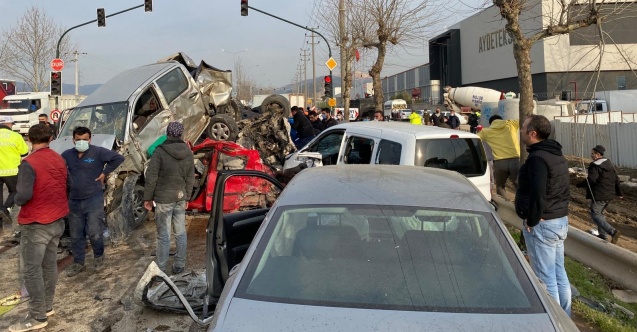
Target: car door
229 235
359 146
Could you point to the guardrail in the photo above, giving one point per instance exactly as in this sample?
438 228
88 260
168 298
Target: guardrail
611 261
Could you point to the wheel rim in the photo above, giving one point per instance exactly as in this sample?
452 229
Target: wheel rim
138 205
220 131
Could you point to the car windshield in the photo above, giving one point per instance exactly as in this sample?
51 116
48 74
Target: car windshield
107 119
463 155
390 258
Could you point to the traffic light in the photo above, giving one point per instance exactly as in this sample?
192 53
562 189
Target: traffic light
244 7
148 6
56 83
101 17
328 86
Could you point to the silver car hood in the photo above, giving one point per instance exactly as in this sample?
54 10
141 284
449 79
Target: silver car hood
62 144
249 315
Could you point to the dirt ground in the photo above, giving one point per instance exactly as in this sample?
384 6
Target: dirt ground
75 304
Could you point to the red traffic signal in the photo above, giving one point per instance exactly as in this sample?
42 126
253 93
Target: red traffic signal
244 7
56 83
328 79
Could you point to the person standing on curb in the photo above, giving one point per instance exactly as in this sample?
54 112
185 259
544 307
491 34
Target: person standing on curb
86 164
42 191
12 149
602 185
541 201
174 164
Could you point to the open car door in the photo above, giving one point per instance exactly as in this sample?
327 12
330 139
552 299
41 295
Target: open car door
228 237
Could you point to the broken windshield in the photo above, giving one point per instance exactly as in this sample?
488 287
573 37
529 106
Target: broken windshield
107 119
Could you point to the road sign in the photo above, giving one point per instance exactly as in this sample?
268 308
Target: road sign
57 64
309 101
331 64
331 102
55 115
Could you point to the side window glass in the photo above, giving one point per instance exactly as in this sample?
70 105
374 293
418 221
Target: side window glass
359 150
146 108
172 84
329 147
388 153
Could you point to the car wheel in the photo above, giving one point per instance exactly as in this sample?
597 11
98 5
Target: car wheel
276 102
222 128
130 213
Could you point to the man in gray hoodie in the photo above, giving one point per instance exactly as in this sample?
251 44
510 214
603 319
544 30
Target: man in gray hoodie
602 185
173 163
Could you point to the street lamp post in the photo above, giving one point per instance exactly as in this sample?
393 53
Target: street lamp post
234 67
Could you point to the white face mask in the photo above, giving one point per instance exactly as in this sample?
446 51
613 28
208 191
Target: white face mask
321 117
81 145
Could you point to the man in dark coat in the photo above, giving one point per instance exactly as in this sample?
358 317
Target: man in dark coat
436 117
317 124
328 120
303 127
453 121
602 185
173 163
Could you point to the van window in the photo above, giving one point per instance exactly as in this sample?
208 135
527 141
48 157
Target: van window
463 155
359 150
172 84
328 146
388 153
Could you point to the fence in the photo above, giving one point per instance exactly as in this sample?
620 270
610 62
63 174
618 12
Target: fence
616 131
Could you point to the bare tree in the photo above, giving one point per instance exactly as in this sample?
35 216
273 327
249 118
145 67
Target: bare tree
244 81
30 46
558 17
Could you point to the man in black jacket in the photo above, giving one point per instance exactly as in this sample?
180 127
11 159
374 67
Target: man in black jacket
317 124
303 127
453 121
602 185
328 120
173 163
542 201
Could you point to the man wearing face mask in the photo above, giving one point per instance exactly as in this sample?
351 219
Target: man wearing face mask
88 167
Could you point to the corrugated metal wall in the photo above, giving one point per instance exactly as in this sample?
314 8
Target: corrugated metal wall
619 139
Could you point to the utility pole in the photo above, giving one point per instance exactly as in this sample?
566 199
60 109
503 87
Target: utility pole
342 42
75 54
313 71
305 58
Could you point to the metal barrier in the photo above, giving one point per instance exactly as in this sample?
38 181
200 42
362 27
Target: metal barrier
611 261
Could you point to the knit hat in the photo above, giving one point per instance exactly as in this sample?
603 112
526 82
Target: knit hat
175 129
600 149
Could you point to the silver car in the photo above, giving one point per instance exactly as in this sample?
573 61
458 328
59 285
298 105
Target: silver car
370 248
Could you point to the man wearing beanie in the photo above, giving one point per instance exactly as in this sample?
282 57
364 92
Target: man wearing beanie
173 163
602 185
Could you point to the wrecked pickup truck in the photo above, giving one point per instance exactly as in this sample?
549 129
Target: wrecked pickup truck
132 110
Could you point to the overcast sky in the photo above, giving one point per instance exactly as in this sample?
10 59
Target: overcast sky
201 29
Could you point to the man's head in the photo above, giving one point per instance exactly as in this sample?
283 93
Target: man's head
378 115
438 110
81 138
494 117
598 152
293 110
453 112
152 104
6 121
326 113
43 118
40 134
313 116
535 129
175 129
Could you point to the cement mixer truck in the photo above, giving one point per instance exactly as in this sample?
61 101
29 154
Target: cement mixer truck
464 100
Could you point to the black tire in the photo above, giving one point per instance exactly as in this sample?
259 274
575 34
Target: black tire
222 127
274 102
130 214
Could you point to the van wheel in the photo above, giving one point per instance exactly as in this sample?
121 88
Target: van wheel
222 128
276 102
130 214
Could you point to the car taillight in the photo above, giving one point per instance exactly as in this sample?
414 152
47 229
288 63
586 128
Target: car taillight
454 136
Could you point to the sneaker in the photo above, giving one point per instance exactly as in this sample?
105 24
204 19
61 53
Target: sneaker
178 270
74 269
4 214
50 312
615 236
99 263
28 324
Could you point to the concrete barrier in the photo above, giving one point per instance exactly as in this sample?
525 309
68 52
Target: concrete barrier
611 261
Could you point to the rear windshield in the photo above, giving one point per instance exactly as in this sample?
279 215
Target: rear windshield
463 155
389 258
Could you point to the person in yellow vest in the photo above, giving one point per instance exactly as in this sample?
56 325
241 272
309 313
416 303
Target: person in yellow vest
503 138
12 149
415 118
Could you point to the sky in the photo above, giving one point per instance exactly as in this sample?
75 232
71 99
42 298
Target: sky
269 49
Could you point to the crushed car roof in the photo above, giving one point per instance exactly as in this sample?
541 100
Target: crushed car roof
120 87
383 185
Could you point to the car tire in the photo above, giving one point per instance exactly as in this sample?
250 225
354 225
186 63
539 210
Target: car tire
130 214
222 127
273 102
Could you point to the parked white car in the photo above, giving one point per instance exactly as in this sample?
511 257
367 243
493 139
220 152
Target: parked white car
396 143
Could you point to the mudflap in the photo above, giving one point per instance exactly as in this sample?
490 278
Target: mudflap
183 293
121 220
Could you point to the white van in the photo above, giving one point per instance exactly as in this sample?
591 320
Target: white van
398 143
393 106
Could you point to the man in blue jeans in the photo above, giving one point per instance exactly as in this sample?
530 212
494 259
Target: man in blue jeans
88 167
542 201
173 163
